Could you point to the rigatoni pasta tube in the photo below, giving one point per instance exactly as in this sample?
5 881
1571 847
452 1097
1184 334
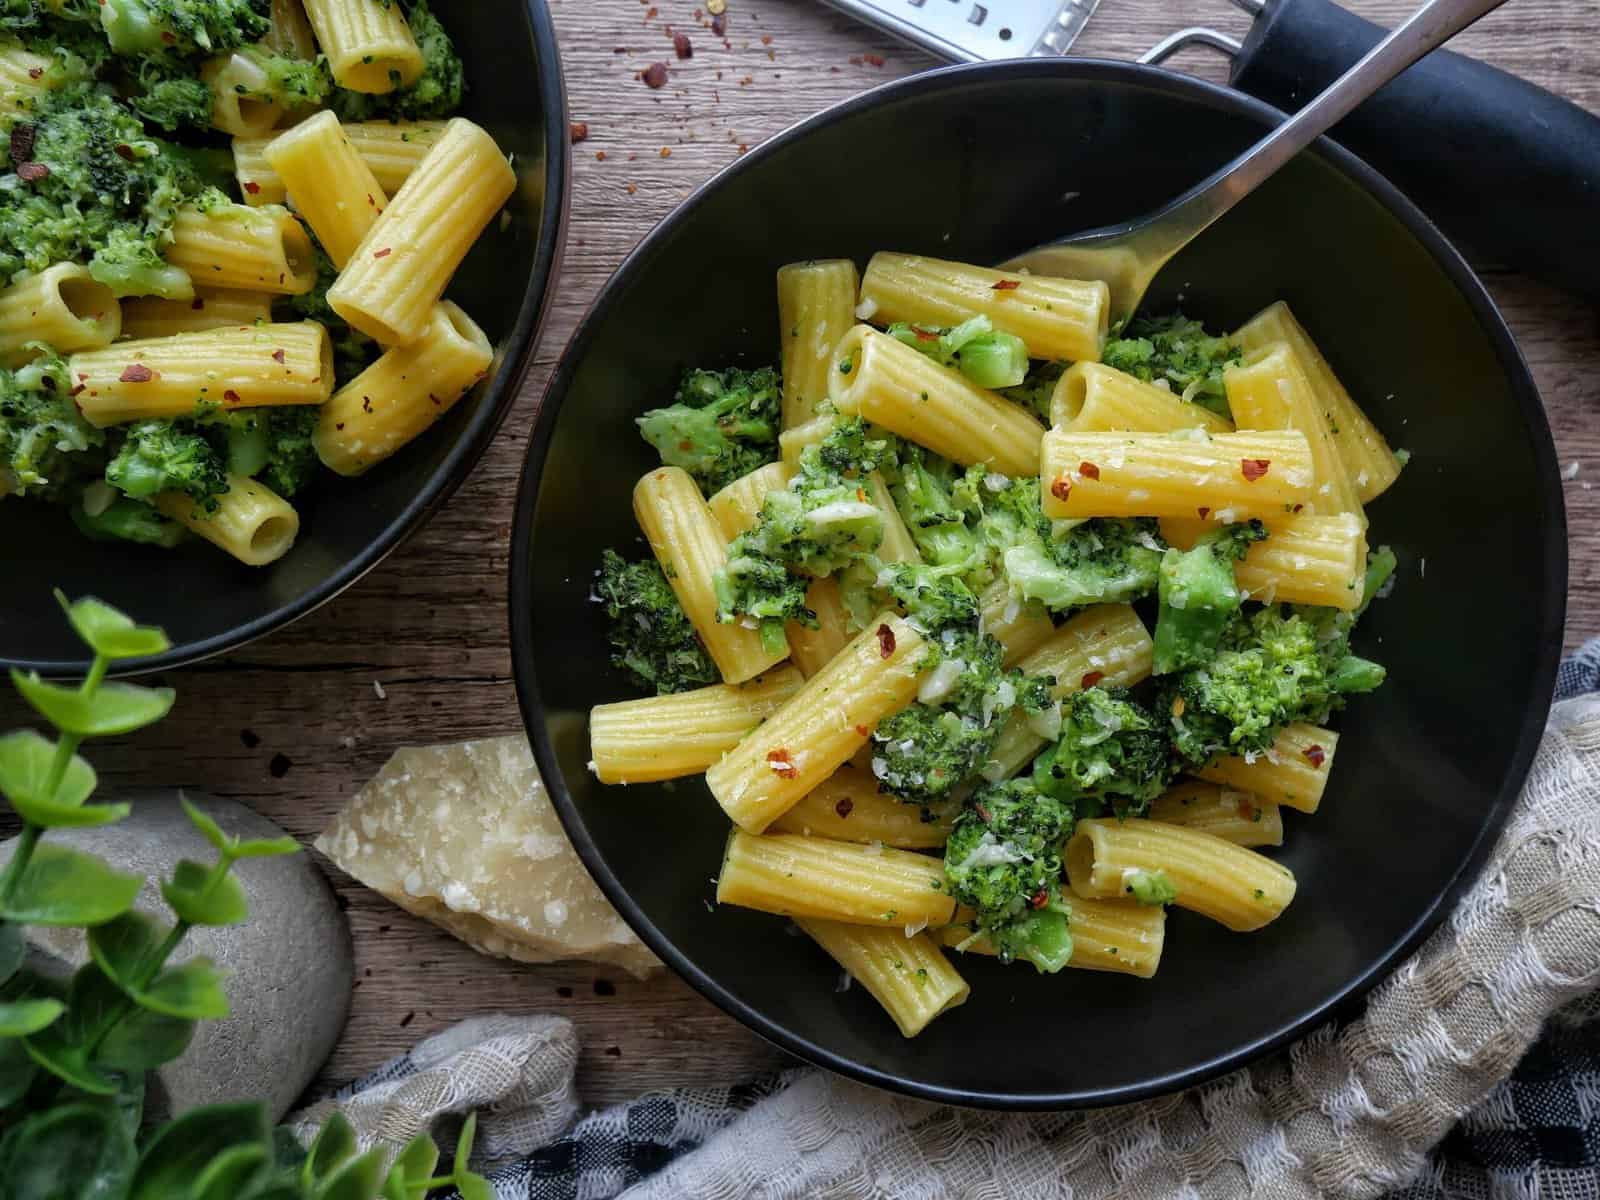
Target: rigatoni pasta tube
1293 772
401 268
235 246
258 183
797 876
211 308
818 730
330 186
1092 397
1304 559
251 521
1233 816
1234 886
403 393
1269 389
1057 318
737 507
814 648
391 150
1226 477
909 976
666 737
1367 458
892 385
816 307
368 43
796 438
848 807
240 366
1107 935
1020 628
241 101
62 305
686 541
290 33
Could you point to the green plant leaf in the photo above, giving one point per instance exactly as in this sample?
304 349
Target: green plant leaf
76 1150
69 1061
274 1189
93 1003
129 1102
394 1186
183 1148
113 707
126 948
227 1176
469 1134
473 1187
357 1179
12 950
17 1070
144 1039
67 887
19 1018
335 1142
26 758
265 847
124 945
192 989
200 901
109 632
208 827
233 847
418 1159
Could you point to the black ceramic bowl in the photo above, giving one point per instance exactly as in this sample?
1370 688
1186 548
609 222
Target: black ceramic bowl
208 603
976 163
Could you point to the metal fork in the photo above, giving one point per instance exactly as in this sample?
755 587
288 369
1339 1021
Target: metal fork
1128 255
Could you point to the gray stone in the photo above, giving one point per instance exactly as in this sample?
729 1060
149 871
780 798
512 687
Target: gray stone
290 966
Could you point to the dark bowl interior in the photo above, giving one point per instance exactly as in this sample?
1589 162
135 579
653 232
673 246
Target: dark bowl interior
209 603
976 163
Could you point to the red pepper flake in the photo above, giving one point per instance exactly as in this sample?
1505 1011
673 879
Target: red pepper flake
29 172
1297 508
124 151
862 731
1006 285
434 400
845 807
649 13
384 253
599 156
1315 755
231 396
665 152
579 131
277 356
1088 470
1040 898
682 46
1061 489
1092 678
197 304
632 188
252 187
137 373
983 813
1203 511
781 763
855 60
766 39
885 641
339 425
1254 468
35 72
655 75
719 24
169 38
873 60
924 335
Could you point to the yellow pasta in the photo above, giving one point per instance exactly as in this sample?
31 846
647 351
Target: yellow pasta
848 807
818 730
1305 559
1107 935
211 308
665 737
368 44
401 268
1224 477
796 876
24 76
393 149
796 438
290 33
1233 816
816 307
1239 888
258 182
686 541
235 246
1366 456
241 366
62 305
737 507
251 521
1057 318
890 384
907 975
1269 389
330 186
1293 773
812 649
1020 627
242 101
1092 397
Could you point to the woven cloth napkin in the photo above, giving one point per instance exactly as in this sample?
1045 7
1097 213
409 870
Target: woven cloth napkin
1420 1098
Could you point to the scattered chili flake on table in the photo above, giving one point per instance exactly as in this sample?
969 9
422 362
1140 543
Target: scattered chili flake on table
873 60
655 75
1254 468
666 152
649 13
1006 285
580 132
766 39
719 24
682 46
599 156
632 188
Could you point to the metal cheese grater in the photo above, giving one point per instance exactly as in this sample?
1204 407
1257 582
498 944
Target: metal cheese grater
975 30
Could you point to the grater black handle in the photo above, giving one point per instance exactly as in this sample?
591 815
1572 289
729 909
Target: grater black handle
1507 168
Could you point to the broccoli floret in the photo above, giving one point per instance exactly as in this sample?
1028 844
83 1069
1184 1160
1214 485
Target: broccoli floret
291 454
1111 751
167 456
1178 352
987 357
353 351
45 445
128 520
937 524
1199 596
650 637
436 93
1004 860
1150 887
169 95
1034 392
721 425
182 27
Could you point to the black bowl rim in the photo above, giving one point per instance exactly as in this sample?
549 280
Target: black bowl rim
1552 619
474 440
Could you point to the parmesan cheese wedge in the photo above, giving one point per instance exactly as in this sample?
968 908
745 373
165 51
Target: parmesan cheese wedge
465 836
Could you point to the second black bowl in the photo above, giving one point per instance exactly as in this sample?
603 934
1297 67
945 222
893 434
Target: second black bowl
977 163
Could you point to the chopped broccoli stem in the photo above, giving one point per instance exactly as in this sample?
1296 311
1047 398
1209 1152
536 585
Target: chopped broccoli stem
650 637
1177 352
987 357
128 521
721 425
937 525
1199 596
1149 887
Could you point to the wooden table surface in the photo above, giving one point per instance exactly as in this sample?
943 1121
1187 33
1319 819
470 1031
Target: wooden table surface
269 724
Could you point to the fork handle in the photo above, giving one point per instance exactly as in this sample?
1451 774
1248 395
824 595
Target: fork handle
1508 168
